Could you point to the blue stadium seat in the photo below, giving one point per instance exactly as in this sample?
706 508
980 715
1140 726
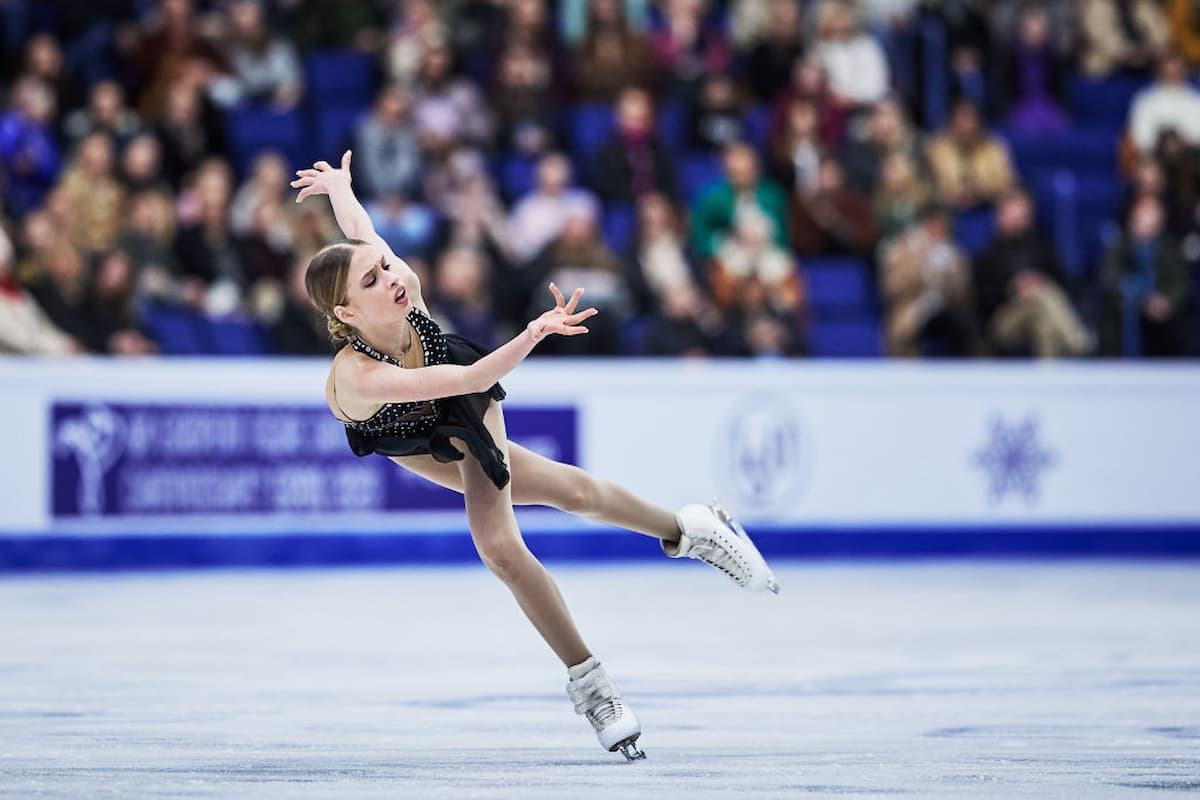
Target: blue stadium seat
855 337
837 285
618 224
518 174
342 77
672 125
698 171
1103 102
973 229
335 130
758 127
254 129
232 337
589 126
177 332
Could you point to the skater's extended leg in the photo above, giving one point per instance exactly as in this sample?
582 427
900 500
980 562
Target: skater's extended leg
537 480
498 540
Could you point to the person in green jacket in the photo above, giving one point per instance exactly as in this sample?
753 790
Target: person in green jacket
743 192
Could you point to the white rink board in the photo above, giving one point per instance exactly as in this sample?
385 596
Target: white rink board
783 443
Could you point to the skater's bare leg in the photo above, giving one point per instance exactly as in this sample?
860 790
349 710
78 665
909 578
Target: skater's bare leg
498 540
537 480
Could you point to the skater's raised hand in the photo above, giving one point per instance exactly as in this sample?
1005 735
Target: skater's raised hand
321 178
563 319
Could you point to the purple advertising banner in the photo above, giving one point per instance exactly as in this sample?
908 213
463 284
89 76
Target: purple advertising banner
118 459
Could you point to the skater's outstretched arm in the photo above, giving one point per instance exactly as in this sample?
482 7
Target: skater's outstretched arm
351 217
377 382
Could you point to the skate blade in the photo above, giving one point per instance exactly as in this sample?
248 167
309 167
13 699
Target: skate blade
629 749
727 518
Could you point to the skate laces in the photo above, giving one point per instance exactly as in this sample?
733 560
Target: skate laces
711 550
606 713
594 693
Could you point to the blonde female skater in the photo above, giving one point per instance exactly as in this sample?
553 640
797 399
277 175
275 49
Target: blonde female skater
405 390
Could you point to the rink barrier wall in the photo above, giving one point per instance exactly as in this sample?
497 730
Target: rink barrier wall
179 461
147 552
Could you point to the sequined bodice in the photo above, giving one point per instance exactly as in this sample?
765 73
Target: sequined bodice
405 419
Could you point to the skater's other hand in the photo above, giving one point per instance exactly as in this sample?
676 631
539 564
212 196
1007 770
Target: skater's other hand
321 178
563 319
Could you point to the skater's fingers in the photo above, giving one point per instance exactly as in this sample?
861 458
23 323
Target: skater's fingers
570 309
307 173
305 193
575 319
573 330
558 297
346 161
323 166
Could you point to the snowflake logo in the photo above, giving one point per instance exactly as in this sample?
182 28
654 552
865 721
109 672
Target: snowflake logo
1013 458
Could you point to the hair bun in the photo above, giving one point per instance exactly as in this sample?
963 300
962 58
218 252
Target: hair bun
338 329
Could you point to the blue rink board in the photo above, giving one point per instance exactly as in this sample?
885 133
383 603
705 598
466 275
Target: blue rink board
50 552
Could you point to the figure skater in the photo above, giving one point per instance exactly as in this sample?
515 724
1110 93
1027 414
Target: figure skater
423 398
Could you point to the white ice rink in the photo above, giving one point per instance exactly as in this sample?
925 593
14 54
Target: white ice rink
1073 680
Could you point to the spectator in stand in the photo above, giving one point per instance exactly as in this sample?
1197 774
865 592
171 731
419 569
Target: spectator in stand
888 131
415 29
44 59
526 118
106 112
796 149
1019 297
743 193
448 109
141 165
205 247
1036 75
538 218
770 47
809 83
634 162
387 154
1121 35
60 289
1181 165
832 218
854 61
24 326
749 257
175 51
295 327
463 296
322 24
682 320
94 197
268 181
148 237
411 228
580 258
1183 20
716 119
469 201
110 310
1170 104
967 47
684 49
264 69
901 195
1146 288
611 56
265 248
970 167
29 157
926 288
578 19
188 133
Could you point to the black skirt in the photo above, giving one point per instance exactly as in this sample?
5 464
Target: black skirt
460 417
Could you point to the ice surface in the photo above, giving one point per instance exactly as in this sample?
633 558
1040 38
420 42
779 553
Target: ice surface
918 680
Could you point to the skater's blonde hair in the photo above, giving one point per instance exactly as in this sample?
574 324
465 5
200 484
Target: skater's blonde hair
325 281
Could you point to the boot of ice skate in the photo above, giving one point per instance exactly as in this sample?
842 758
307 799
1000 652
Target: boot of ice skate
711 534
596 698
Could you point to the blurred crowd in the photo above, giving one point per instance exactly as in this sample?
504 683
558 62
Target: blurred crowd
122 194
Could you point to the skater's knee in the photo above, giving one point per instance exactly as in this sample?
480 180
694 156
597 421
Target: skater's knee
579 493
505 558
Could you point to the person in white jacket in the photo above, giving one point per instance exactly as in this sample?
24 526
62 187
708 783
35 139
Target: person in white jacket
1171 102
24 327
852 58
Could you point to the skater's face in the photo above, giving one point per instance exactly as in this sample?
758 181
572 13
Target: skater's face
379 289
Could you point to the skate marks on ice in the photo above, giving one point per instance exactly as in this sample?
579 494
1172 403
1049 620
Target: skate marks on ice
1070 680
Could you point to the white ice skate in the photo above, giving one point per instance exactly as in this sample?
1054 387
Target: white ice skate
596 698
712 535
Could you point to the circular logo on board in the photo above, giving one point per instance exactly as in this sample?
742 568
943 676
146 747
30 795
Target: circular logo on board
763 455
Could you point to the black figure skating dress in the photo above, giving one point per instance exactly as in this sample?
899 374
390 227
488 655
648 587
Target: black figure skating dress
426 426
